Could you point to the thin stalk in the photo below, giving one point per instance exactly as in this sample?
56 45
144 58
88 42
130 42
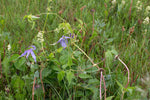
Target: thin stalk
86 68
42 82
93 21
1 67
28 6
44 30
52 14
93 44
117 57
100 92
45 23
104 86
121 40
60 98
130 10
87 56
122 95
4 48
33 88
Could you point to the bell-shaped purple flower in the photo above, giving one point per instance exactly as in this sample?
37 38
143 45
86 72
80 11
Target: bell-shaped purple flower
71 35
63 41
30 51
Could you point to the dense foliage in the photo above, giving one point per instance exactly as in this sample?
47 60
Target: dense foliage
74 49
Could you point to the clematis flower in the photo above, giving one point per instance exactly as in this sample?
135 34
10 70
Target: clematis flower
71 35
63 41
30 51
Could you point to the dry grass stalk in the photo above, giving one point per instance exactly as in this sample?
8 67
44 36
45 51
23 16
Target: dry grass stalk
33 88
42 82
117 57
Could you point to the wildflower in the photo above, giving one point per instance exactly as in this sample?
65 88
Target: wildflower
123 2
113 2
30 51
147 10
71 35
63 41
139 6
146 21
145 31
9 47
40 36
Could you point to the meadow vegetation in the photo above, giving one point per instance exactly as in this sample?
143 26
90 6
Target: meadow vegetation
74 50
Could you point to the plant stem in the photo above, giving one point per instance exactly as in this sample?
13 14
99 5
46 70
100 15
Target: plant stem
33 88
100 93
117 57
42 82
45 23
87 56
52 14
130 10
1 67
4 48
104 86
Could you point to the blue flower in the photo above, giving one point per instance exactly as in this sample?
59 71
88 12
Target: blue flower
63 41
71 35
30 51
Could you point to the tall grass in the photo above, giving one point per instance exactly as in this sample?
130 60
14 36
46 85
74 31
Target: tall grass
102 30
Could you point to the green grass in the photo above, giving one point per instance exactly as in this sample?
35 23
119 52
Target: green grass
103 43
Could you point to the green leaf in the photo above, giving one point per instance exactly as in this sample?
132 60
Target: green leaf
120 85
19 96
106 13
14 57
61 75
80 21
6 65
114 52
130 89
69 60
33 24
65 66
109 58
36 74
93 81
94 34
79 93
83 75
77 53
63 59
92 70
33 67
45 72
51 55
66 28
70 76
17 83
20 64
109 98
108 41
56 68
95 92
59 50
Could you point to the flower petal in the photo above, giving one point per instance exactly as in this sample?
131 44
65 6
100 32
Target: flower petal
34 47
66 37
24 53
60 40
33 56
28 52
63 43
71 35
